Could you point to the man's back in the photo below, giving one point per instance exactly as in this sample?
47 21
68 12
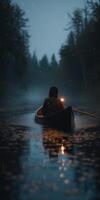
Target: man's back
52 105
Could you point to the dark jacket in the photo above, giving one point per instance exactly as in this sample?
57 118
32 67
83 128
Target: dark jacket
52 105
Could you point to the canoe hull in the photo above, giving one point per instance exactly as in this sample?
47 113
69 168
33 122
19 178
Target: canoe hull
63 120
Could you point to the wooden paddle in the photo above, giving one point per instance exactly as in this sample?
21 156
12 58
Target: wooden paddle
86 113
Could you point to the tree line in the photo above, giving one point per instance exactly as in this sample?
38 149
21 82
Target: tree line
19 70
80 55
43 72
14 48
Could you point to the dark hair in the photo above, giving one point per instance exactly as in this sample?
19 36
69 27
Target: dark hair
53 92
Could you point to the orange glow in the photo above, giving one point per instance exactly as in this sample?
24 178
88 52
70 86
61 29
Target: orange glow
62 149
62 99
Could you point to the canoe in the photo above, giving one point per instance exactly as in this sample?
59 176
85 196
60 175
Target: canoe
63 120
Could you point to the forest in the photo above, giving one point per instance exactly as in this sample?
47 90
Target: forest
78 69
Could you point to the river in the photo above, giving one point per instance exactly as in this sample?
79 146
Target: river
39 163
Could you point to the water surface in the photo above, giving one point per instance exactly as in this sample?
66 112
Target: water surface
43 164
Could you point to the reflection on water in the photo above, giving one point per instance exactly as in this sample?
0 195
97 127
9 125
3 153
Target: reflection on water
78 161
56 142
12 146
43 164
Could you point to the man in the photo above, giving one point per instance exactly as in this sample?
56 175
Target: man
52 104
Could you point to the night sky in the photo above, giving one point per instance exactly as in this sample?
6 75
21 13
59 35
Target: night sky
47 22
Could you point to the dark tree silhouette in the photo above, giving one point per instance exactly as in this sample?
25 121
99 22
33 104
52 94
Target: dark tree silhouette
53 63
80 55
13 46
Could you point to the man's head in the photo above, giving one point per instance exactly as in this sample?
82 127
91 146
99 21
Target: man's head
53 92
